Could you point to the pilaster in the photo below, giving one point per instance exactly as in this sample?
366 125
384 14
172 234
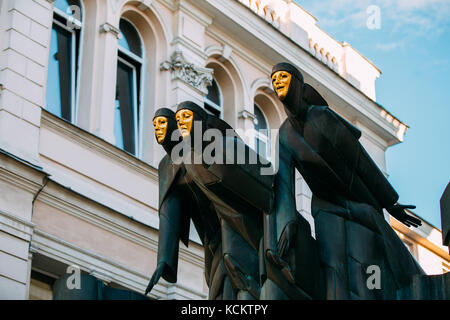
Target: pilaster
186 63
25 28
103 117
19 184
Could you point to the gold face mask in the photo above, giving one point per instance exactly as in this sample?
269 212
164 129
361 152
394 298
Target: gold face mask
184 119
281 81
160 124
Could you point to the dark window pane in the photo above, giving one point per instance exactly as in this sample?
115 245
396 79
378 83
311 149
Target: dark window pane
262 124
262 134
261 147
129 38
59 84
212 109
214 93
64 6
124 117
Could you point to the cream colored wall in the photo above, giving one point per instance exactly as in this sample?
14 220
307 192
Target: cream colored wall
126 248
40 290
427 243
430 263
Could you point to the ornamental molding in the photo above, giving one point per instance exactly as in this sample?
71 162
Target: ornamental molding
198 77
16 226
109 28
244 114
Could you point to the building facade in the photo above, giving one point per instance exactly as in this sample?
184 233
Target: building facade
80 81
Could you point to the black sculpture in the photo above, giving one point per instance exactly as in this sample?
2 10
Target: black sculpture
179 201
349 192
445 216
238 192
257 246
290 252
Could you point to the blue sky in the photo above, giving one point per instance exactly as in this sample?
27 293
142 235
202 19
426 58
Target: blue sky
411 49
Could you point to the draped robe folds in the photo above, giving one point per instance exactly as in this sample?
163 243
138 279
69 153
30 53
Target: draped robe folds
302 256
240 195
349 192
179 201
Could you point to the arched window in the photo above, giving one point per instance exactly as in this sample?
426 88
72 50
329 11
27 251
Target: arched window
262 141
64 59
128 88
213 100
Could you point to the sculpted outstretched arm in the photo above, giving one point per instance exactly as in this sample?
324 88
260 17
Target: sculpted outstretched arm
398 212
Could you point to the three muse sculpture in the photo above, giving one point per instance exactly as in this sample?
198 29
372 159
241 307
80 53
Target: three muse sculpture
256 244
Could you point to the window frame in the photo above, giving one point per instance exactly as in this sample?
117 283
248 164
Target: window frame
138 99
213 105
76 55
135 100
262 137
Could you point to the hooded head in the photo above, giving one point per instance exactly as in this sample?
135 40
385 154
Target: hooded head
189 115
165 124
288 84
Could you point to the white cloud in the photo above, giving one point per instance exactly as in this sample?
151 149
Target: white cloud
389 46
413 17
415 4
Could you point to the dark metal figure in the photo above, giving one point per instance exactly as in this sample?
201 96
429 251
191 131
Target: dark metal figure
179 201
238 192
445 216
349 193
290 252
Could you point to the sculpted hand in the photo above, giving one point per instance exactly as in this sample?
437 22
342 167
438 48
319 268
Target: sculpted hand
287 239
155 278
398 211
281 264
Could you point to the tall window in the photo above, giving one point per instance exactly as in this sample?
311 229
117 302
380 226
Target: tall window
128 89
213 100
63 59
262 141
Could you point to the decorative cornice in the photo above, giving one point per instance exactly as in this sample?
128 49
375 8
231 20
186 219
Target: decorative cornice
70 254
18 227
18 181
198 77
103 267
94 142
104 276
177 291
106 221
103 220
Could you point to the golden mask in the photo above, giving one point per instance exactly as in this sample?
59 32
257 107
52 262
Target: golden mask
281 81
184 119
160 124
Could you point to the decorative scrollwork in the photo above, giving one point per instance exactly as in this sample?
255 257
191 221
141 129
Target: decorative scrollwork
198 77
